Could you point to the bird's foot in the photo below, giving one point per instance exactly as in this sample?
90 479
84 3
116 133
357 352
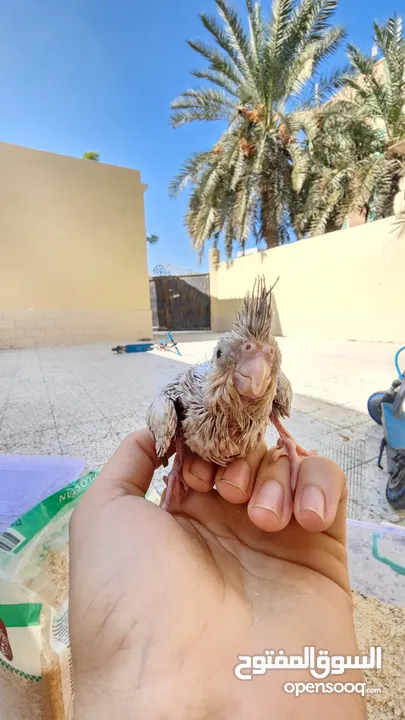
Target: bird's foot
286 446
176 485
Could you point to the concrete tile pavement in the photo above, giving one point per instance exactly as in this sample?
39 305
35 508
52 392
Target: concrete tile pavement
83 400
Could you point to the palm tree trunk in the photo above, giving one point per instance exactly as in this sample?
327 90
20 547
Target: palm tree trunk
271 238
269 225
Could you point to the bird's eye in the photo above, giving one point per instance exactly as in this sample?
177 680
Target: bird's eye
219 353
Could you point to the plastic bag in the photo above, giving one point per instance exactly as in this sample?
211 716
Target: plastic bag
35 662
26 480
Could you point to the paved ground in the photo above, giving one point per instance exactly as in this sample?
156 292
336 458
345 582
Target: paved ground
82 400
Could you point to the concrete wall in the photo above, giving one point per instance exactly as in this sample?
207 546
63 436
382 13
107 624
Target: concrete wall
349 284
73 264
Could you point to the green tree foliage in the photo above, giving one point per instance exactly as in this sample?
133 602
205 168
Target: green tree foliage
91 155
353 157
259 82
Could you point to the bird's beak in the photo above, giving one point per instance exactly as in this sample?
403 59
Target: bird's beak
253 370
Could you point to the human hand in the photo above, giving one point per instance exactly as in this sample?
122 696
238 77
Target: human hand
161 604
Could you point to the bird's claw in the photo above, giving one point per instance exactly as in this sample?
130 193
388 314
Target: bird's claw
176 485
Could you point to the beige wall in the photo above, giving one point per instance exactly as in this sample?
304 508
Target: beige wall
73 264
349 284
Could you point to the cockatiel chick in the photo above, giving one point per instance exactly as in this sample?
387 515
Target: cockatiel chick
221 408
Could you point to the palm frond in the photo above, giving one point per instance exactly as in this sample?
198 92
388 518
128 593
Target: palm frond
241 213
391 42
376 92
218 61
217 79
303 69
281 15
300 162
310 20
323 87
238 169
189 172
257 31
237 38
217 31
320 16
201 104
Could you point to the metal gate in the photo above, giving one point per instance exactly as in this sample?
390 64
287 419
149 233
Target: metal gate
180 302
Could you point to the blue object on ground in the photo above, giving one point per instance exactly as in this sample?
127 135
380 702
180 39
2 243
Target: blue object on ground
170 336
145 346
139 347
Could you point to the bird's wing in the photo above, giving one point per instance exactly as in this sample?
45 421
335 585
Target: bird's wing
167 410
284 394
161 417
195 376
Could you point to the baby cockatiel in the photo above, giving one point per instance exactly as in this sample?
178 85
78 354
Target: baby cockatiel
221 408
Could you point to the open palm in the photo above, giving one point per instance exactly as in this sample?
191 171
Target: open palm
161 604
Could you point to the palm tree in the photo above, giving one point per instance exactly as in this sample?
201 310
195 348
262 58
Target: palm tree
260 83
368 122
337 146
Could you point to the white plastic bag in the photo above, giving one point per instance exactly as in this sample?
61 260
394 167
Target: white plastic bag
35 662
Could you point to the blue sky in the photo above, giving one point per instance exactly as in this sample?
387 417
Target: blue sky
79 75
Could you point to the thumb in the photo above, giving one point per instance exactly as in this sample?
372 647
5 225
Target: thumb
131 468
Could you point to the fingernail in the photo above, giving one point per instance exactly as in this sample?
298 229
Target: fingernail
313 499
241 477
271 497
195 470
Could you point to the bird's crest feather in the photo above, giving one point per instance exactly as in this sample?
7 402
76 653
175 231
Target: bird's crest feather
256 314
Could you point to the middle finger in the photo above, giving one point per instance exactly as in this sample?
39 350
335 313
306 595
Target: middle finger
271 505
